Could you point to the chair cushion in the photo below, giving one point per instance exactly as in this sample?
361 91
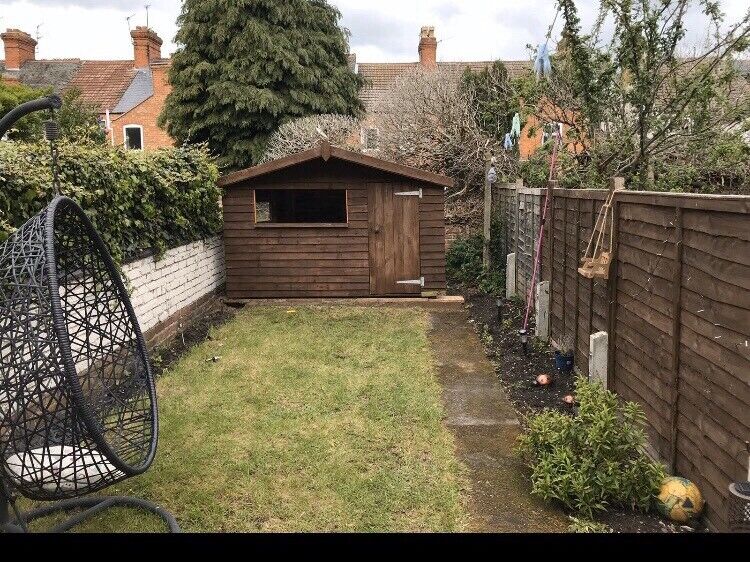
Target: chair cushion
59 468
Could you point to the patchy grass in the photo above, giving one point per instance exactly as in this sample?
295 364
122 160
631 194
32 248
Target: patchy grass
322 419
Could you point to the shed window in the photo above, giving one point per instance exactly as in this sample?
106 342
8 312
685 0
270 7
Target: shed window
300 206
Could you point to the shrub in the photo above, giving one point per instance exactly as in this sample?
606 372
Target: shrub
593 460
138 201
464 260
464 263
305 133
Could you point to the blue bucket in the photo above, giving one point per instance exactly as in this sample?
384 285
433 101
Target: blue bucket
564 362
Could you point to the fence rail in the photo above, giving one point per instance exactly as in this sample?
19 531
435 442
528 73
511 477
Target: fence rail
677 310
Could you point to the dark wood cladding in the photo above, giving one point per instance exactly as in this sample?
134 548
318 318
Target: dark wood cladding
314 261
678 316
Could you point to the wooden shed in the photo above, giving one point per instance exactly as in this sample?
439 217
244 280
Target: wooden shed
328 222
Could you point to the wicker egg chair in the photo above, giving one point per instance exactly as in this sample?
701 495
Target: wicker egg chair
77 397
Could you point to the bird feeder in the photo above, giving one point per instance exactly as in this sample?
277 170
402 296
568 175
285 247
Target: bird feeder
597 260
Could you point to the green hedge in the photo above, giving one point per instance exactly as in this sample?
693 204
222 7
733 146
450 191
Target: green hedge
138 201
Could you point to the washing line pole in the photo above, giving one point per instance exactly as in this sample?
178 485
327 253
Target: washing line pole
540 238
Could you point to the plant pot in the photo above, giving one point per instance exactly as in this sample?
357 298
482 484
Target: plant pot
564 362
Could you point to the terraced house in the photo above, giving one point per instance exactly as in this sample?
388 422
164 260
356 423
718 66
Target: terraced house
128 94
380 77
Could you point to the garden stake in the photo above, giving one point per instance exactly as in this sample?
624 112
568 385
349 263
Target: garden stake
537 261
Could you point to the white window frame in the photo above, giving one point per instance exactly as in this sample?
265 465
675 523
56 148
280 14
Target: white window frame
548 136
125 136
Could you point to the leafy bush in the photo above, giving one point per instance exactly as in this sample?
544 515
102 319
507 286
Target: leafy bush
78 118
464 260
492 282
595 459
139 201
720 166
464 263
12 95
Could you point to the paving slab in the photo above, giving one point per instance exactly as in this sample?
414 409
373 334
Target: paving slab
485 427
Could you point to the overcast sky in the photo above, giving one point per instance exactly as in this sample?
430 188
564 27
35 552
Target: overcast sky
382 30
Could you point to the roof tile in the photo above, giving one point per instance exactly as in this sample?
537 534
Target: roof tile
103 83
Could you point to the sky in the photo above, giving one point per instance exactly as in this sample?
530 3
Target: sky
381 30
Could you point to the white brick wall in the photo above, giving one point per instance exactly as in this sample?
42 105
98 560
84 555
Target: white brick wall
162 288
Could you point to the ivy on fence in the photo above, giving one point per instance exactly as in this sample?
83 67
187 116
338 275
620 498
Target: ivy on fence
138 201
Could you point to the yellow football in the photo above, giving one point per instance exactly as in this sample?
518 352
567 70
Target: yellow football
680 500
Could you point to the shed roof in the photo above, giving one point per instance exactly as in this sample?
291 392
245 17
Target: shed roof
324 151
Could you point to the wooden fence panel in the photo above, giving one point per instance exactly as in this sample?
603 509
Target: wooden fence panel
714 353
677 310
529 221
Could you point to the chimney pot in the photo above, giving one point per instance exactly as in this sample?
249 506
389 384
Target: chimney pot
19 48
428 47
146 46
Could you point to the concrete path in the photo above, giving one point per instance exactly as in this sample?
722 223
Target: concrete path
485 427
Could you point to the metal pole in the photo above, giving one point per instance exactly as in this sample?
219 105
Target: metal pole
489 179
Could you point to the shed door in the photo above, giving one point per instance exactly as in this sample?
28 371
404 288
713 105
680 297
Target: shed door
394 240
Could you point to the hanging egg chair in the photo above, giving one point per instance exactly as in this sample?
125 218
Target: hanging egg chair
77 397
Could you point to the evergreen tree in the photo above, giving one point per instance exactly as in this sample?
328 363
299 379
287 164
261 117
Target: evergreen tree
245 67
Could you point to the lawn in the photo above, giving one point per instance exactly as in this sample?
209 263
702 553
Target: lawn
313 419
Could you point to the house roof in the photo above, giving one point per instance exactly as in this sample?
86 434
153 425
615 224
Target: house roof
103 83
324 151
380 77
113 85
49 73
139 90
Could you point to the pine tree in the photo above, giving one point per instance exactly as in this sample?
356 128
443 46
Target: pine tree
245 67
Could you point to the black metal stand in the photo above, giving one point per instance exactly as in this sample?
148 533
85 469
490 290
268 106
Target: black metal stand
91 505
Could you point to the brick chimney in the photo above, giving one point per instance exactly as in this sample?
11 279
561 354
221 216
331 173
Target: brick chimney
428 47
146 46
19 48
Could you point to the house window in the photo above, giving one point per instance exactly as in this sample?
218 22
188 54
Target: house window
549 130
300 206
133 135
371 138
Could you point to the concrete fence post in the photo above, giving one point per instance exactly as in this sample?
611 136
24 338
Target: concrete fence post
510 276
542 310
598 357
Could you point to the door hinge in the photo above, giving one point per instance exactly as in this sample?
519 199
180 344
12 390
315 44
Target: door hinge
419 282
410 193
